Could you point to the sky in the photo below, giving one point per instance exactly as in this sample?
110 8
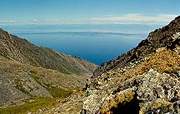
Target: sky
88 11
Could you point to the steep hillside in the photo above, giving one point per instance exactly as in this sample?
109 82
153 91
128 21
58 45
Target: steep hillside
15 48
163 37
145 80
34 78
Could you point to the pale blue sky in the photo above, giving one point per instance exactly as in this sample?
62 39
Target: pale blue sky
87 11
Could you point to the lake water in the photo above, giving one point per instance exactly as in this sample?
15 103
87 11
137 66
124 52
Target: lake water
95 46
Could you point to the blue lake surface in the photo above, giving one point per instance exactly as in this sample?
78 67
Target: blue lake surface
96 47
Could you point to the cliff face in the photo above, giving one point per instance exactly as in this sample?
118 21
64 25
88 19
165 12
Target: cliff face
33 77
145 80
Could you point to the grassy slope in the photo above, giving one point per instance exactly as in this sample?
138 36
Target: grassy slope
59 85
36 73
29 106
165 61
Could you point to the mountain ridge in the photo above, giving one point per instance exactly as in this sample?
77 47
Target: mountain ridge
145 80
33 77
21 50
154 41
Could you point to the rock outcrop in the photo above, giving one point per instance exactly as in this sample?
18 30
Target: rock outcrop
145 80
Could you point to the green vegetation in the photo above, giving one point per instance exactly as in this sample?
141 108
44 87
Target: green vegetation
19 86
56 92
35 77
29 106
36 103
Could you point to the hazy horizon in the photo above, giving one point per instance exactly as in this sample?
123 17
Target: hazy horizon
83 27
104 28
94 43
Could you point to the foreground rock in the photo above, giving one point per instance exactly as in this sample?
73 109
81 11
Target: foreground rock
145 80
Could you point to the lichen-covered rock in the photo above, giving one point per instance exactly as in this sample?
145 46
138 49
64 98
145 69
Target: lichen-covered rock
158 92
154 93
144 80
155 85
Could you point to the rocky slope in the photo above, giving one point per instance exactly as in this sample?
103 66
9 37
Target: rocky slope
162 37
15 48
33 77
145 80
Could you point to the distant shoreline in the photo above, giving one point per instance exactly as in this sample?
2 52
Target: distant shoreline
114 33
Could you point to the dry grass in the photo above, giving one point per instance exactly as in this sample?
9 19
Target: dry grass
159 103
165 61
122 98
29 106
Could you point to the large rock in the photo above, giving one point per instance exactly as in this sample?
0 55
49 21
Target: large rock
154 93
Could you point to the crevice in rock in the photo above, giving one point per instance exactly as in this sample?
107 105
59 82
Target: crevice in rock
131 107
